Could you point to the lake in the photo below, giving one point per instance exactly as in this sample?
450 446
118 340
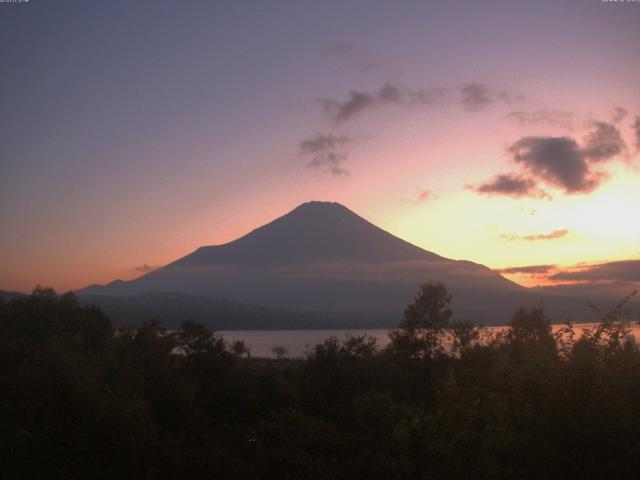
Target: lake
261 342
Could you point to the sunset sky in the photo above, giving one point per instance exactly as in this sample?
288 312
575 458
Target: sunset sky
133 132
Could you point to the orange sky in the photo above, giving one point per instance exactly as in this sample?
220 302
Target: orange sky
212 123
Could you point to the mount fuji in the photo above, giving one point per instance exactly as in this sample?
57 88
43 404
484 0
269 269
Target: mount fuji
320 262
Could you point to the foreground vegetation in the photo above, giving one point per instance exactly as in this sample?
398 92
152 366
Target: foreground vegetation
82 401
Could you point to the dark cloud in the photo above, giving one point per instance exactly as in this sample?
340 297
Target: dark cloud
636 131
144 268
559 161
509 185
556 160
528 269
558 118
389 94
603 143
540 236
325 152
622 271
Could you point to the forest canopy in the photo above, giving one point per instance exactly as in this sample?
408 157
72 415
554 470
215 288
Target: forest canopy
445 399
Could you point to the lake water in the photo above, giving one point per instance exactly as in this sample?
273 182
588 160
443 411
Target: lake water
296 342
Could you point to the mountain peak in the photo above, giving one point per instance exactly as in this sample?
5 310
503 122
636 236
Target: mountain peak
318 211
317 207
320 204
312 232
322 257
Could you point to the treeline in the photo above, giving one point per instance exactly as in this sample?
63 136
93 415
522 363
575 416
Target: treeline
444 400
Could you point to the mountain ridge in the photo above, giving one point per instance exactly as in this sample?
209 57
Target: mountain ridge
304 235
322 257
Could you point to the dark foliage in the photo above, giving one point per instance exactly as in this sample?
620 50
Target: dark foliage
444 400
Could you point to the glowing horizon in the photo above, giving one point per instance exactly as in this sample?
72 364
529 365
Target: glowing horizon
510 144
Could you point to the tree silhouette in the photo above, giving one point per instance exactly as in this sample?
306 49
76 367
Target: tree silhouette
239 348
280 351
80 400
425 320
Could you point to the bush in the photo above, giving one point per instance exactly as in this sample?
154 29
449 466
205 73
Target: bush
80 400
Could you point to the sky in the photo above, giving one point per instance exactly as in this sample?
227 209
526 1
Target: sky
131 133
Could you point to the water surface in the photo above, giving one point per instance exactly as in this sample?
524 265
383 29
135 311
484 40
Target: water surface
296 342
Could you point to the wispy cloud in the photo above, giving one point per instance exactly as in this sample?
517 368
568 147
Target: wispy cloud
605 278
326 152
530 269
603 143
536 237
321 143
619 114
509 185
612 279
474 97
636 131
624 270
477 96
360 57
557 118
360 101
331 163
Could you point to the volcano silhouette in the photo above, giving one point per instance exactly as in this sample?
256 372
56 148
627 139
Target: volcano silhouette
321 257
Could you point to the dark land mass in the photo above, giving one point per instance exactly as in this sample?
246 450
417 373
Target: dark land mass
320 266
175 308
83 400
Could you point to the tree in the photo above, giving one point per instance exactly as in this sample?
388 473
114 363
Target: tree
425 320
430 309
239 348
613 327
197 339
360 346
464 334
530 325
280 351
530 335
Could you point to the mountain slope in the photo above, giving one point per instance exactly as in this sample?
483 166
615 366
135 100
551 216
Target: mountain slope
8 295
312 232
175 308
322 257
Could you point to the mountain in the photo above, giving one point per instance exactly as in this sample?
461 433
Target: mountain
8 295
174 308
323 260
313 232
